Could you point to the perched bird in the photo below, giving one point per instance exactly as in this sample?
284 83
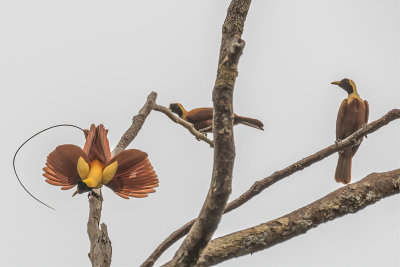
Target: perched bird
201 118
128 174
353 114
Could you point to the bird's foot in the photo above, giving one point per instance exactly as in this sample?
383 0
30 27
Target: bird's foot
96 195
358 142
204 130
365 124
337 143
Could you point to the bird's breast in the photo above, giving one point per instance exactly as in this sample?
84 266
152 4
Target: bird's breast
95 176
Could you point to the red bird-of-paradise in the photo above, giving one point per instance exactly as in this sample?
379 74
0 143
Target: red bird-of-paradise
128 174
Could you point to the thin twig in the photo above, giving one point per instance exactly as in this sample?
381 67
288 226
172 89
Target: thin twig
100 244
260 185
187 125
346 200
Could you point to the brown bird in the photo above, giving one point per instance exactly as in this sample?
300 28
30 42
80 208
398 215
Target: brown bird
201 118
128 174
353 114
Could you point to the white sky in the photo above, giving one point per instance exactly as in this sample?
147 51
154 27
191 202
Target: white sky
86 62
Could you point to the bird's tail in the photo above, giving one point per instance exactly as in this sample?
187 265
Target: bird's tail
249 122
343 169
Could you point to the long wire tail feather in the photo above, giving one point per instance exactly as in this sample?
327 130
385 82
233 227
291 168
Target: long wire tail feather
16 152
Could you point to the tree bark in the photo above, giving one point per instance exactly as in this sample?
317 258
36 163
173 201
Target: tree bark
224 148
348 199
100 244
261 185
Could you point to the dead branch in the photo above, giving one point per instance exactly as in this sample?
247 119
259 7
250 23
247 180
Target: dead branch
187 125
100 244
224 147
346 200
136 125
260 185
352 140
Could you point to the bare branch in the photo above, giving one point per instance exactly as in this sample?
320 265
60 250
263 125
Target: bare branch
137 123
187 125
100 244
224 147
260 185
348 199
352 140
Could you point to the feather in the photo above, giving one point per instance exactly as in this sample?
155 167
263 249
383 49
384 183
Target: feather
61 165
135 176
97 146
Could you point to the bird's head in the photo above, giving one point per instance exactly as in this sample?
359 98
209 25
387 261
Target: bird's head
177 108
348 85
82 188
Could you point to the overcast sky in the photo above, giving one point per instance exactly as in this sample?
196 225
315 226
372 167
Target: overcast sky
84 62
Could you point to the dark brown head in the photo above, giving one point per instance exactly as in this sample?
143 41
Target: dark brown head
348 85
177 108
82 188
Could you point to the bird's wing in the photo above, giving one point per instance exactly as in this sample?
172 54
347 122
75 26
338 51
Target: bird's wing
134 176
366 110
61 166
199 114
339 121
97 146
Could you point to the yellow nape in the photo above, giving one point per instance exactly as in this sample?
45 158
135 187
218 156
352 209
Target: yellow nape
95 176
184 111
354 94
82 168
109 172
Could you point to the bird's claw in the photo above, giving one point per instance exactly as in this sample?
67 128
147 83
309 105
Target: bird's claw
96 195
204 130
365 124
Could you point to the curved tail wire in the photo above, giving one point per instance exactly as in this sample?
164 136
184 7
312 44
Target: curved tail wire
16 152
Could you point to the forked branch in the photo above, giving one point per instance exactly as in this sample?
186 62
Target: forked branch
346 200
100 244
224 149
260 185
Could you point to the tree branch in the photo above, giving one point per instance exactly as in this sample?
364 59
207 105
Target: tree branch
137 123
224 147
186 124
348 199
260 185
100 244
352 140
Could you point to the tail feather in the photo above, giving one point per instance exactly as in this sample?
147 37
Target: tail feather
343 169
249 122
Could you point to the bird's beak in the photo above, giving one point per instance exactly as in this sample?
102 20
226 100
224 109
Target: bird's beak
76 192
336 83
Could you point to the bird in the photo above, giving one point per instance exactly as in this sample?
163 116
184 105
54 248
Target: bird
353 114
128 174
201 118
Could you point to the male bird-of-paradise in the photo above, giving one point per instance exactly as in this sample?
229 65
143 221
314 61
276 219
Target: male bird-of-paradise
353 114
128 174
201 118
